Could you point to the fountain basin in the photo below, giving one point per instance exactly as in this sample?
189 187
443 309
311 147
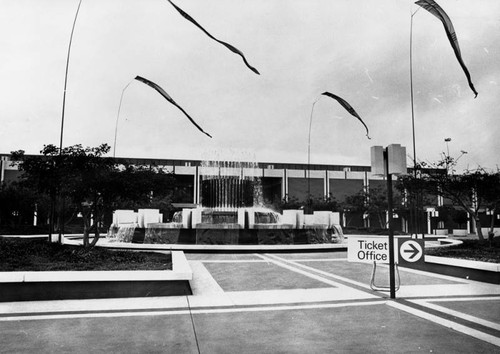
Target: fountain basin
243 226
217 234
163 233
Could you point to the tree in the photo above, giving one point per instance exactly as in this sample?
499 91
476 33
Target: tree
73 174
17 204
373 201
355 203
471 191
327 203
135 187
83 180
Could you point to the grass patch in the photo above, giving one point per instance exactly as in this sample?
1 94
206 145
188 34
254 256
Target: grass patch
39 255
471 250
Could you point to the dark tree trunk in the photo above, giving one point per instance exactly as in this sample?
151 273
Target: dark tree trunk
477 226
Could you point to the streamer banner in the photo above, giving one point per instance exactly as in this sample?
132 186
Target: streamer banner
436 10
227 45
169 99
348 107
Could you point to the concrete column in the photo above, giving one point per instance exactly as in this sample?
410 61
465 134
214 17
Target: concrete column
35 215
429 226
326 185
2 169
284 185
196 193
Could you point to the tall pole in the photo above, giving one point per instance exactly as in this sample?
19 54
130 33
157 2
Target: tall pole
66 77
309 154
62 114
117 118
411 97
416 211
392 275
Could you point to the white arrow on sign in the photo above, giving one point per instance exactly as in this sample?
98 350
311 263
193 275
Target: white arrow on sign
411 251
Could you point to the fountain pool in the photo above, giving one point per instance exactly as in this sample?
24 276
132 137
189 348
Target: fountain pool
231 212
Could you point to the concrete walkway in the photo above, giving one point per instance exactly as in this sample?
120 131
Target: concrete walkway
270 303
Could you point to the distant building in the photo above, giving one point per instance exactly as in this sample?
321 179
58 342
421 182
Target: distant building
279 181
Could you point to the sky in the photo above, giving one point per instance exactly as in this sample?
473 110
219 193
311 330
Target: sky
358 50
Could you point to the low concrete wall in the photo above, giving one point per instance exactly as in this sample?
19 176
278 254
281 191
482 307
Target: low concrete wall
59 285
462 268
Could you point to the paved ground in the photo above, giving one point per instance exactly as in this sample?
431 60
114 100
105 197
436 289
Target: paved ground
270 303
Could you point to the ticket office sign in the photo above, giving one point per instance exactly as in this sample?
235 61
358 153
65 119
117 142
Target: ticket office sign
368 249
411 251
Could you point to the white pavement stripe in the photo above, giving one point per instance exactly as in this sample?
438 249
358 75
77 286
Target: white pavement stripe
458 314
446 299
203 283
186 311
318 259
447 323
231 260
268 297
432 275
331 275
427 274
261 260
282 264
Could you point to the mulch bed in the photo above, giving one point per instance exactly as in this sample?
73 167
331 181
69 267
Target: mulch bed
39 255
471 250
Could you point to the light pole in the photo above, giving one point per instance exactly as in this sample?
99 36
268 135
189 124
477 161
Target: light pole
415 202
447 157
447 140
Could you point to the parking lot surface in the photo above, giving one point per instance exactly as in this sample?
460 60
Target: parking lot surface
270 303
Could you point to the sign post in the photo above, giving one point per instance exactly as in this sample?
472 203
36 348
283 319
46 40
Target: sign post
392 278
389 161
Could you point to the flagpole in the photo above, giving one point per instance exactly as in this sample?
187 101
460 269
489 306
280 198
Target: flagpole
66 76
62 121
309 152
118 116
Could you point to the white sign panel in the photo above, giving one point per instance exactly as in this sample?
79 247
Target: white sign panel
368 249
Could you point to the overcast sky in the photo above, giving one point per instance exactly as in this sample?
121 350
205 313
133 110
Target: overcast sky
358 50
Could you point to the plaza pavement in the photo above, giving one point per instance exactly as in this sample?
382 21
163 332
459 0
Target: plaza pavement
269 303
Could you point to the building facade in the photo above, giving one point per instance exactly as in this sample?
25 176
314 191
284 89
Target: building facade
279 181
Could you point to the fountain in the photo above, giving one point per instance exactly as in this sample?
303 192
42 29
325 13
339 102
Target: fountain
231 212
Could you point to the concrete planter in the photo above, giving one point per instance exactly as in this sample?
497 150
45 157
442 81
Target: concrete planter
464 268
59 285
